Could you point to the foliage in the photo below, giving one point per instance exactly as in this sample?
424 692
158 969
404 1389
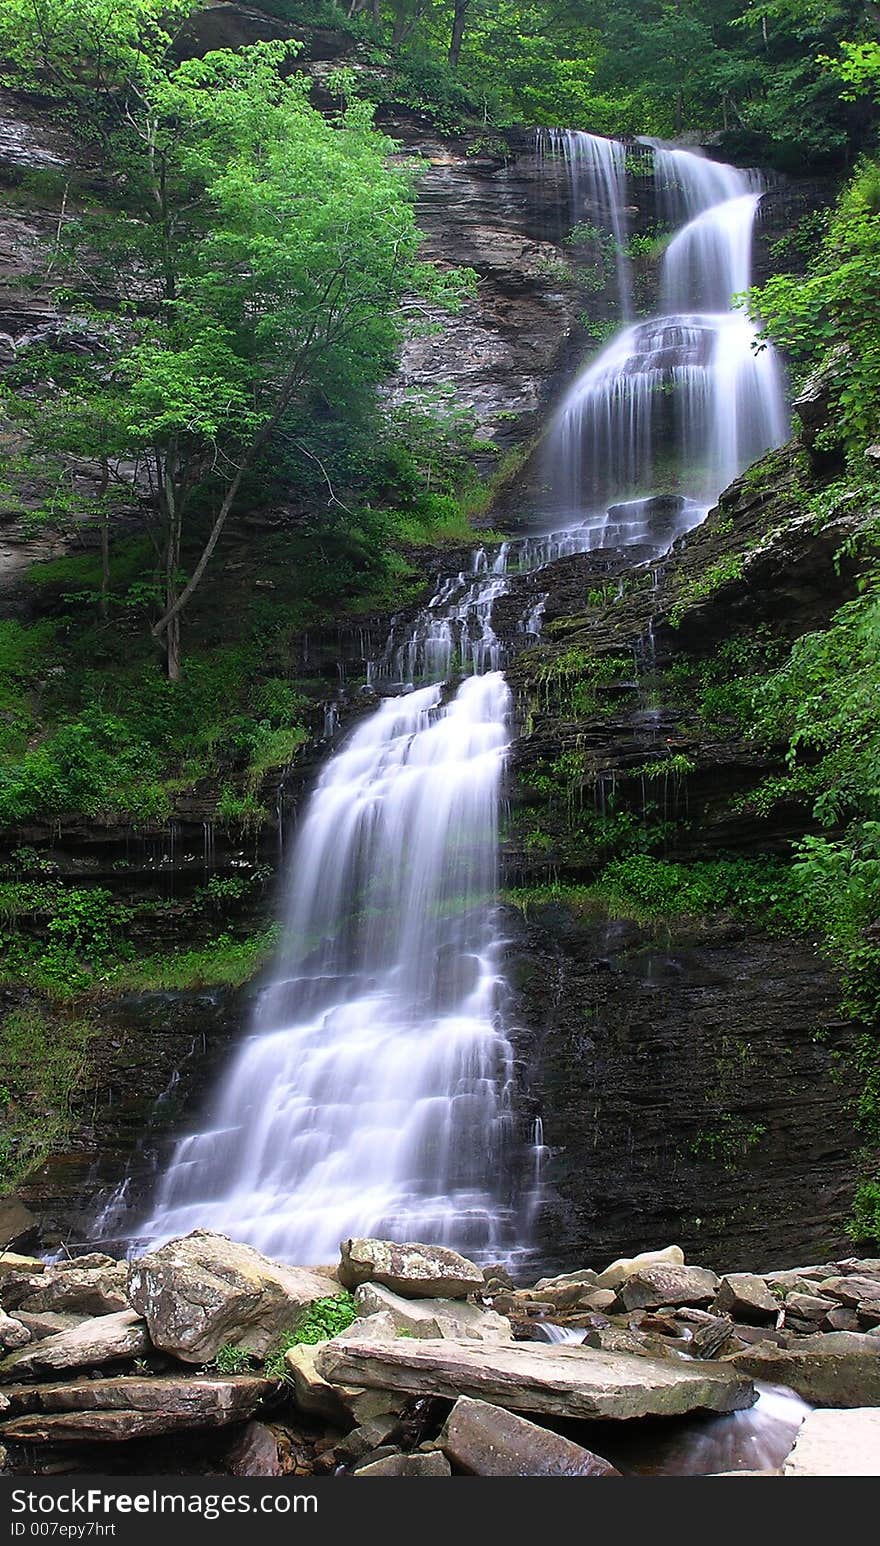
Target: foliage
322 1319
831 318
255 265
230 1359
44 1064
725 571
223 960
762 888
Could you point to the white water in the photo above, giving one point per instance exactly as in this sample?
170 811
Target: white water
683 401
597 183
375 1094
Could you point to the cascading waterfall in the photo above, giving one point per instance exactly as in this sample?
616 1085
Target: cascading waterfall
597 185
375 1093
689 380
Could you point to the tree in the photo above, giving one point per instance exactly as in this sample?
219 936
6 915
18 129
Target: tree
259 253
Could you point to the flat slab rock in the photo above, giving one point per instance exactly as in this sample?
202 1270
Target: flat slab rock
837 1443
92 1342
407 1465
413 1270
485 1440
115 1410
833 1368
562 1381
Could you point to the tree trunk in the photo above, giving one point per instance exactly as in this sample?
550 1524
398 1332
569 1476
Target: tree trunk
104 603
172 569
459 19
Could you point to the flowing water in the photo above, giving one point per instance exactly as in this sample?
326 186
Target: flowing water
376 1091
691 379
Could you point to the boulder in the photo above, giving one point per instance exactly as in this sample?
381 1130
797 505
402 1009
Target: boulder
48 1323
313 1395
486 1440
746 1297
17 1223
625 1266
614 1339
433 1464
798 1280
560 1380
88 1290
92 1343
808 1307
10 1262
837 1443
851 1290
413 1270
202 1291
840 1318
131 1407
833 1368
255 1453
13 1333
89 1262
432 1317
651 1287
363 1442
565 1279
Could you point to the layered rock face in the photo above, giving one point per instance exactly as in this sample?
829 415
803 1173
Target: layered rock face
688 1073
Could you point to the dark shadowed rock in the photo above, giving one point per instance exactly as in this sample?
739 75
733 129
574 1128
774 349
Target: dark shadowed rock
486 1440
255 1453
413 1270
17 1224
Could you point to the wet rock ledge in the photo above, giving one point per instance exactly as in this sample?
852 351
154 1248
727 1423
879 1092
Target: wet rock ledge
408 1360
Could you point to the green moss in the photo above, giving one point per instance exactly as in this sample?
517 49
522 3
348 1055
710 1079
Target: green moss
44 1065
725 571
223 961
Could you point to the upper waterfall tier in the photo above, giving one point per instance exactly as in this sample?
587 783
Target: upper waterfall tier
685 400
597 180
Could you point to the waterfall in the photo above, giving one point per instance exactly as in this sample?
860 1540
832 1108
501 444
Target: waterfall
596 169
375 1091
374 1095
683 401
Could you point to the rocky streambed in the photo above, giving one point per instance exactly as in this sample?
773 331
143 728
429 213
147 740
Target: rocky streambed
203 1356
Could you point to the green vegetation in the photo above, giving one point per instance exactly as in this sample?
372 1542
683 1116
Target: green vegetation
324 1318
768 73
44 1064
647 888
